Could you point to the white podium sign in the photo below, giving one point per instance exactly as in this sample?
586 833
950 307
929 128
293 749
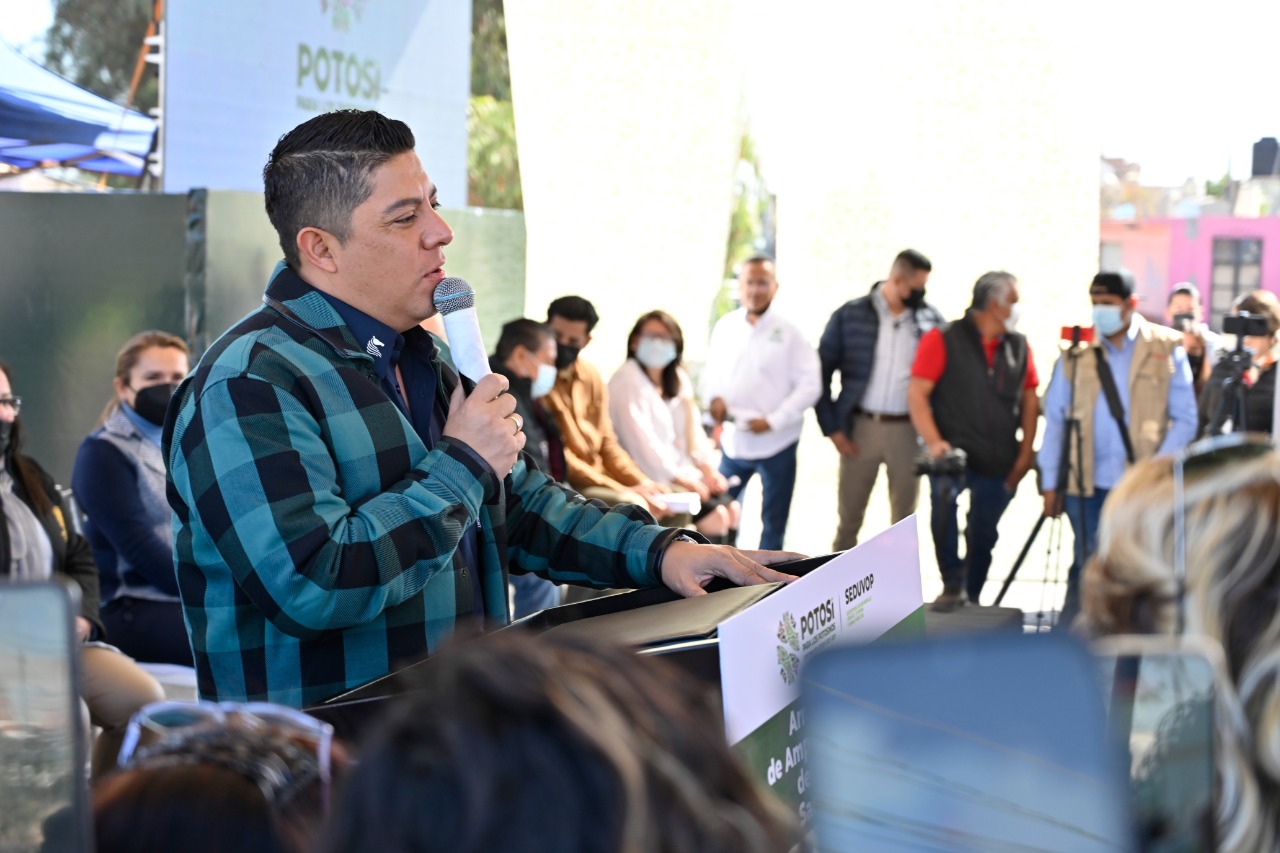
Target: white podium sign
868 593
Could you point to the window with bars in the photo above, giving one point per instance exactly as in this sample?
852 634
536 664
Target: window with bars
1237 269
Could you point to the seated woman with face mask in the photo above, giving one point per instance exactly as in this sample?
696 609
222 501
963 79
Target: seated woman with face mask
1217 404
658 423
119 481
39 544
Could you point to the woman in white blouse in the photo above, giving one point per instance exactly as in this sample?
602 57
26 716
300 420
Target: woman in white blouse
658 423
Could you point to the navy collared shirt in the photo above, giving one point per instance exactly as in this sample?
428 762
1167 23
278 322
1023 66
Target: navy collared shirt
417 400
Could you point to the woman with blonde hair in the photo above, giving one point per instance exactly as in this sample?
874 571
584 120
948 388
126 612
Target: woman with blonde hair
1221 536
119 481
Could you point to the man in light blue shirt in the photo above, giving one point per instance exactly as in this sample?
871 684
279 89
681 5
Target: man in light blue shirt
1157 404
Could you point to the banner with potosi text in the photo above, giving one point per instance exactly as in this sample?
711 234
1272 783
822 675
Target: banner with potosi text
868 593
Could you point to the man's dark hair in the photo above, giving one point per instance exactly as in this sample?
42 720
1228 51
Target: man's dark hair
911 259
759 259
523 332
1184 289
526 742
319 172
575 309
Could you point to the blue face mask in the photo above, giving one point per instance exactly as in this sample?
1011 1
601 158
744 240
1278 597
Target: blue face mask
1107 319
544 380
655 353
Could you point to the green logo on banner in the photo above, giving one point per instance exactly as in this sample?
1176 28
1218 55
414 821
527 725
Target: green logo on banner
788 661
344 11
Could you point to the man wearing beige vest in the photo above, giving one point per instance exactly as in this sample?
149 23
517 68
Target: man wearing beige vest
1156 402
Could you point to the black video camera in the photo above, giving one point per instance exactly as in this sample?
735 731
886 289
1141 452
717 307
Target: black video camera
950 464
1245 325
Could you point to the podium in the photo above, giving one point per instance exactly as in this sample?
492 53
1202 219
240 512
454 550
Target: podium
654 621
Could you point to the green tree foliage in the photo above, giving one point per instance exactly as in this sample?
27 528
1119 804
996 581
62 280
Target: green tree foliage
490 73
493 162
1218 188
746 224
493 169
750 201
95 44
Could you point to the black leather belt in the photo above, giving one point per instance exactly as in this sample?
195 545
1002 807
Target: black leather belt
882 418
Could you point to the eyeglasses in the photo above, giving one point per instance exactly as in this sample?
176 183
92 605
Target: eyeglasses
279 748
1200 458
11 402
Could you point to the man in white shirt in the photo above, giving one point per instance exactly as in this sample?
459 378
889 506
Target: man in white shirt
760 377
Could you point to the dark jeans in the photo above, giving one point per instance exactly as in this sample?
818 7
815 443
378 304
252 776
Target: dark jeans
533 594
148 631
778 481
988 498
1084 528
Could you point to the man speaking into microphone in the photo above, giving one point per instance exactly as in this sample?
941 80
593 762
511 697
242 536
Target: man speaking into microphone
340 504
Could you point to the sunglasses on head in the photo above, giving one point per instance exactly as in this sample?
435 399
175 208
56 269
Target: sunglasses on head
279 748
1196 460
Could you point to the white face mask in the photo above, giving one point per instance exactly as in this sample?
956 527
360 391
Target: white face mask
1108 319
544 380
655 353
1011 322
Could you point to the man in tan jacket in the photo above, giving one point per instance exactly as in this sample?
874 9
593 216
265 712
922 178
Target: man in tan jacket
1157 405
597 465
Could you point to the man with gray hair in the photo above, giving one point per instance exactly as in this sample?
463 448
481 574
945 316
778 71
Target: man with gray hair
972 388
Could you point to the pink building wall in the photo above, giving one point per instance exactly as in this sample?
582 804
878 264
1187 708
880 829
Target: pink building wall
1145 253
1163 252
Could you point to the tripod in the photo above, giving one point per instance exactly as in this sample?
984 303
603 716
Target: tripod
1231 405
1070 436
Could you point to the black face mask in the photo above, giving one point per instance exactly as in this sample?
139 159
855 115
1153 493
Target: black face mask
6 435
915 299
151 402
566 356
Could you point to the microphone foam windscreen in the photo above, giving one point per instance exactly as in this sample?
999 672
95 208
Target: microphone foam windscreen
453 294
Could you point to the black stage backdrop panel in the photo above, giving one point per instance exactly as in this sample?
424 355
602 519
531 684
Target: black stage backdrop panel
80 274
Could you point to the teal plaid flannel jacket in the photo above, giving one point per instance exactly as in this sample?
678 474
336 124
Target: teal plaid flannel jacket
315 536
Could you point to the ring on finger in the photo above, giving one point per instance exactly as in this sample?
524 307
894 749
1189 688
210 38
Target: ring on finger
518 421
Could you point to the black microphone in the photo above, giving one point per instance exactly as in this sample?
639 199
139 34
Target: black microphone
456 302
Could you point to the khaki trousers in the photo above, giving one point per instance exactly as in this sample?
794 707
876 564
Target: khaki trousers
113 687
879 443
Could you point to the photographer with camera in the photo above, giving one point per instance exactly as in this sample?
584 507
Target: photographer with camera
1185 312
1132 399
972 388
1241 391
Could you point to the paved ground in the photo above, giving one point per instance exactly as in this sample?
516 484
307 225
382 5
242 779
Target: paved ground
1038 586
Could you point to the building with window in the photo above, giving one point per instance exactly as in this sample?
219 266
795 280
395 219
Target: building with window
1224 256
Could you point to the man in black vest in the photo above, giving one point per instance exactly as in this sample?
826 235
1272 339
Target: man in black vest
972 388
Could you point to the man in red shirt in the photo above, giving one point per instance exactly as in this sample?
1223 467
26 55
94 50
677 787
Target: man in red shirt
973 387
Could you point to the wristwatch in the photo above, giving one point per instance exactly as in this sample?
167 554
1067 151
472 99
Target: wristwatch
679 537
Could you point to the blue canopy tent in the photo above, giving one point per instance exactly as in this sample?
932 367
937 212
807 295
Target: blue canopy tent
48 121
